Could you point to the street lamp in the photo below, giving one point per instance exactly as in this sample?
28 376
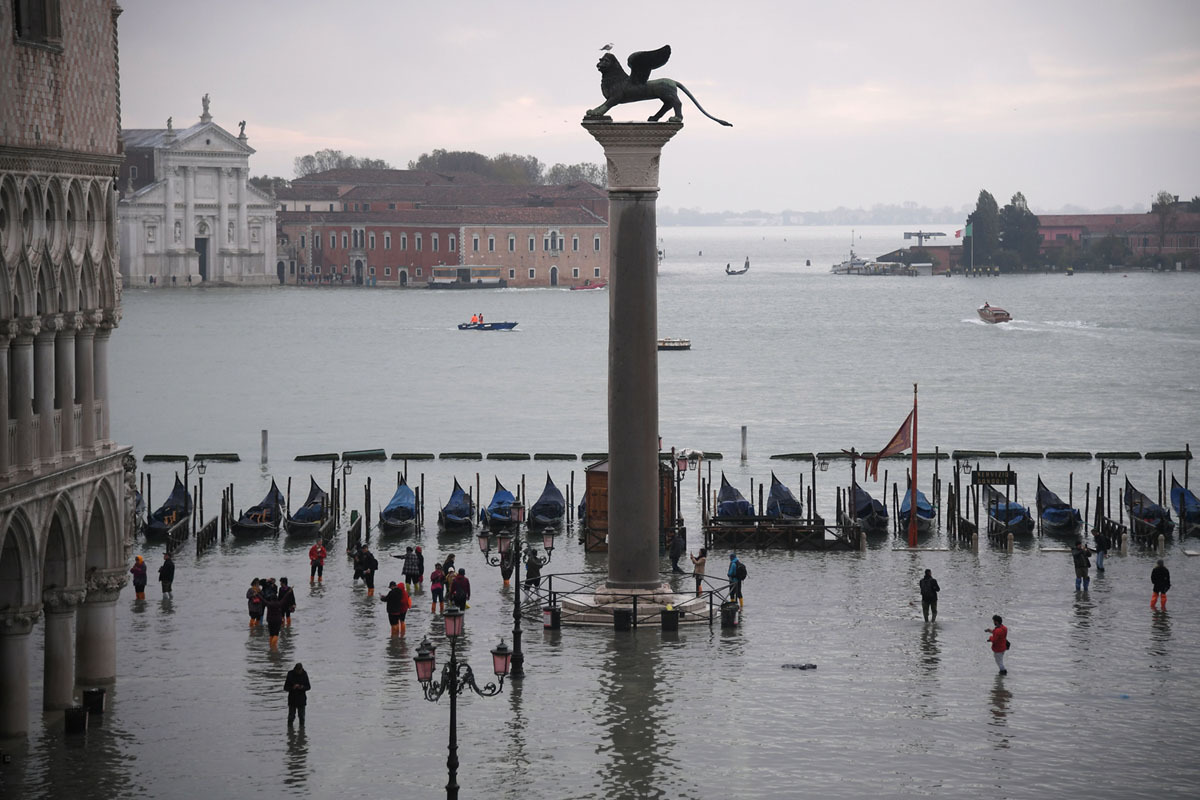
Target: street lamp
346 468
456 677
823 464
508 558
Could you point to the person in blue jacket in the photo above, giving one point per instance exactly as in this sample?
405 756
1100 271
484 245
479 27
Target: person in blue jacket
736 574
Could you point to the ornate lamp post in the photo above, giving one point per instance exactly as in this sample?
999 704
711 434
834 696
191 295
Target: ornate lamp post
346 468
508 558
456 677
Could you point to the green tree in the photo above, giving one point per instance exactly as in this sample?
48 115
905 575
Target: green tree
1020 231
452 161
328 159
561 174
269 183
1164 210
1109 250
981 246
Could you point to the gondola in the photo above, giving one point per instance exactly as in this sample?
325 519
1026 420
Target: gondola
498 513
782 505
549 509
925 514
399 516
1007 516
177 508
1186 505
1056 517
261 520
1146 518
456 514
741 271
731 505
309 517
871 514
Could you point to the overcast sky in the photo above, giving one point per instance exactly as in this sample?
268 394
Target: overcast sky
1093 103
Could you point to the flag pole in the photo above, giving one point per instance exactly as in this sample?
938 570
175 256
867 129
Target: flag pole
912 507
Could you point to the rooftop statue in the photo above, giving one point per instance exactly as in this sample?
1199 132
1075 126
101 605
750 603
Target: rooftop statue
619 87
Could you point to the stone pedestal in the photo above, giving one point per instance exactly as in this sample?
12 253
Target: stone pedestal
58 682
14 671
96 629
632 151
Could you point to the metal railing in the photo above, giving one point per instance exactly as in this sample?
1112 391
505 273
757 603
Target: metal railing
646 607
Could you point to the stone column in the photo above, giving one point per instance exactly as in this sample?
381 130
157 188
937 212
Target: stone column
64 380
14 671
96 628
110 320
632 151
243 228
22 384
8 330
189 209
59 671
44 386
84 340
169 244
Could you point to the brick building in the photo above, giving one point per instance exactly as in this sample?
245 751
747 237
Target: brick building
1143 234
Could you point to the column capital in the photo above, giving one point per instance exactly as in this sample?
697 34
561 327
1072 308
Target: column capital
51 325
103 585
632 150
18 622
90 319
28 327
110 318
60 600
9 330
72 321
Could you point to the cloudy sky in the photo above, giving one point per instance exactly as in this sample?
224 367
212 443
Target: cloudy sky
1092 103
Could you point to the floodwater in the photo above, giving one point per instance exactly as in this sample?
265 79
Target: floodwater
1101 698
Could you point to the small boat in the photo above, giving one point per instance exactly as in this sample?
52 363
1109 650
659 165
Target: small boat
741 271
177 509
1056 517
309 517
399 516
925 514
1146 518
456 514
261 520
993 314
1186 505
674 344
498 513
782 505
731 505
549 509
1007 516
486 326
587 284
871 514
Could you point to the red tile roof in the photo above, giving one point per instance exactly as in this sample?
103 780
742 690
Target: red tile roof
448 217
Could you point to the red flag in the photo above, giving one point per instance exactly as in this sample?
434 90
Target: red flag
958 234
899 443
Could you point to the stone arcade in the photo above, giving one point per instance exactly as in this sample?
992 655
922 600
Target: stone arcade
65 488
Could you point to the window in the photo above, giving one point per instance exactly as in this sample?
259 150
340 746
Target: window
371 270
356 206
596 244
345 270
512 274
575 244
1062 237
292 264
317 269
433 240
387 272
531 244
474 244
575 272
451 238
308 206
343 241
366 206
596 272
404 241
491 244
391 206
133 173
372 239
331 206
317 241
532 274
301 241
37 21
418 272
545 243
512 244
418 243
387 241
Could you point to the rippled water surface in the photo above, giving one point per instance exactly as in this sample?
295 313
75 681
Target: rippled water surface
1102 695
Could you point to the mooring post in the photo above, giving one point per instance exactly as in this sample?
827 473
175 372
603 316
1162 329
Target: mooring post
264 447
367 509
975 540
744 451
1124 543
1162 544
1008 544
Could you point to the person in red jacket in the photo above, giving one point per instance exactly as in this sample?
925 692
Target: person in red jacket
316 561
999 640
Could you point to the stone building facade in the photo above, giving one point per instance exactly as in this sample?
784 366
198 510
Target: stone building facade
66 489
188 214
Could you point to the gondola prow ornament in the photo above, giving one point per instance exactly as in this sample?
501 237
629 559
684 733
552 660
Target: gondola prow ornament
619 87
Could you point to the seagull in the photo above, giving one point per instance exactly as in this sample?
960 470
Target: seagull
607 46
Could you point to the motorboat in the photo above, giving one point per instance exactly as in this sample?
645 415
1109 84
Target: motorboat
993 314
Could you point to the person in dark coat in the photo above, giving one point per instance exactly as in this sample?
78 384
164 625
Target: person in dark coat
533 570
270 590
166 574
460 590
368 566
358 560
297 686
1102 542
254 603
420 569
929 595
398 603
678 548
1160 576
287 596
274 619
411 568
1082 565
138 571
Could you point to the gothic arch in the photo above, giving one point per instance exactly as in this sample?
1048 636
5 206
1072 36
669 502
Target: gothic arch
23 290
6 296
46 301
88 293
17 570
61 546
102 539
68 287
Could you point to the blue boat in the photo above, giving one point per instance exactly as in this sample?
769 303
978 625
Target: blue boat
925 514
871 514
498 513
177 509
486 326
263 519
456 514
1186 505
1007 516
731 505
549 509
1056 517
1146 518
399 516
782 504
309 517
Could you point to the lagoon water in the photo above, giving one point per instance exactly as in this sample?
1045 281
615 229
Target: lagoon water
1102 696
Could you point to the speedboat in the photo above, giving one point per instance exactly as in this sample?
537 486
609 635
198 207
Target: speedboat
486 326
993 314
587 284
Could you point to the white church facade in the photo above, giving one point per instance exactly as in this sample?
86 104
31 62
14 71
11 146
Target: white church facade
188 215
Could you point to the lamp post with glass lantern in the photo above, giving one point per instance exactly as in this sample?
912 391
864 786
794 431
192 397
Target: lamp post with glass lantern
509 548
199 469
346 468
456 677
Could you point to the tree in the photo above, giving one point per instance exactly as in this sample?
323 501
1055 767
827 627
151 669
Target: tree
327 159
985 230
561 174
1194 205
1164 209
452 161
270 183
1020 231
1109 250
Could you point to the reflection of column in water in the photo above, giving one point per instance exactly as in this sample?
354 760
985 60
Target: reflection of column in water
516 756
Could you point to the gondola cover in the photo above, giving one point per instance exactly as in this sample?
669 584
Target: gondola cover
403 505
177 506
865 506
267 511
1185 503
458 510
730 502
781 502
314 507
924 509
499 511
1053 511
549 508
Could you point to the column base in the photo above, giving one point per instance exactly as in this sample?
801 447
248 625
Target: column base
645 605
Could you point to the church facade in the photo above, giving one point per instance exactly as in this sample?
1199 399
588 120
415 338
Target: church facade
188 215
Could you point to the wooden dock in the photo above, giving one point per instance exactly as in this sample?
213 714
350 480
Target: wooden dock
764 533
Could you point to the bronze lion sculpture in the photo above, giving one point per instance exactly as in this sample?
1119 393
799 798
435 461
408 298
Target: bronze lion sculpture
619 87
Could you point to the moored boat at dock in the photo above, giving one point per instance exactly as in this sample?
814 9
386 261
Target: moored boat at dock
309 517
456 514
1186 505
782 504
1055 517
924 513
399 516
1006 515
1146 518
732 506
871 514
261 520
176 509
548 510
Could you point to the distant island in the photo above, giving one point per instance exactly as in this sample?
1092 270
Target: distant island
880 214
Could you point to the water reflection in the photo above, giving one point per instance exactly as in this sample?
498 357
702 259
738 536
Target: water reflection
1160 637
931 652
295 760
1000 698
636 752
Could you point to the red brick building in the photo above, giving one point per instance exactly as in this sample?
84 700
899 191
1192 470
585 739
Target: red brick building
1143 234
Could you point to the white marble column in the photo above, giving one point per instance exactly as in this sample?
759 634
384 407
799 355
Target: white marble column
112 317
223 242
14 671
96 628
243 228
189 208
58 676
64 381
8 330
169 243
44 386
84 364
22 384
